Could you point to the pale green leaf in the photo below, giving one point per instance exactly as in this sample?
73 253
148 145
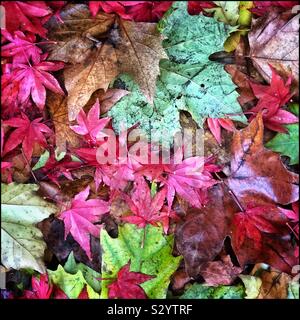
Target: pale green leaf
22 244
252 285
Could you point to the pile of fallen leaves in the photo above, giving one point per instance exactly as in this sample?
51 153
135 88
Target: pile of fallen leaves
223 225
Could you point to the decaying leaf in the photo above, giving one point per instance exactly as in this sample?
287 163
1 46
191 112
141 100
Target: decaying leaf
200 238
64 136
22 244
274 39
258 172
126 47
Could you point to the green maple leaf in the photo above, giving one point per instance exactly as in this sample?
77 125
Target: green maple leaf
154 258
200 291
22 244
188 80
73 277
287 144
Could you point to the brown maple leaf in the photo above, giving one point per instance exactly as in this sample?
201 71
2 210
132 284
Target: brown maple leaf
257 172
274 40
110 46
64 136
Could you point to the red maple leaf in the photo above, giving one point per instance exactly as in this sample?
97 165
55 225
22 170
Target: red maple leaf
90 126
27 133
258 219
21 15
80 216
41 288
195 7
140 11
21 47
215 125
186 177
33 80
262 7
145 209
271 99
55 169
127 284
5 166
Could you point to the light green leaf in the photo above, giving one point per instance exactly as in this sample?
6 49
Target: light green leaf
155 258
287 144
293 290
22 244
252 285
90 275
226 11
198 85
71 284
188 80
200 291
42 160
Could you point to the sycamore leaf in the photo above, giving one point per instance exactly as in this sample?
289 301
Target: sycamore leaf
154 258
278 31
199 85
71 284
21 242
80 216
126 286
287 143
262 7
200 291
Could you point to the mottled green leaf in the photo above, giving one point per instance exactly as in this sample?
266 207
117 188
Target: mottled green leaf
188 81
71 284
153 258
200 291
287 144
199 85
22 244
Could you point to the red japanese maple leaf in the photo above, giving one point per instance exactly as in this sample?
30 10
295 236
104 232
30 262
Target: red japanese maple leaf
91 125
21 47
184 177
293 215
215 125
81 215
41 288
127 284
271 99
33 80
5 166
27 133
195 7
55 169
258 219
145 209
140 11
21 15
261 7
